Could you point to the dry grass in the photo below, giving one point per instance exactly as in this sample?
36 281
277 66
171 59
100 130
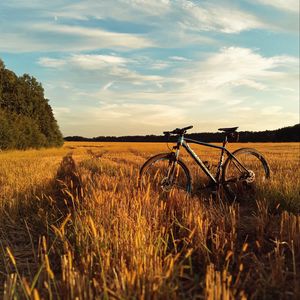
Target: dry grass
74 225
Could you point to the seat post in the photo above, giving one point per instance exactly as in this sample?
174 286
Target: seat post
220 165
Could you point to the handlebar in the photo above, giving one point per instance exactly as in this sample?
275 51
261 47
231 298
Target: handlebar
178 131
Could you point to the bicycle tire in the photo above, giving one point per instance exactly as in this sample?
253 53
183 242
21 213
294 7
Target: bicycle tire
149 174
238 186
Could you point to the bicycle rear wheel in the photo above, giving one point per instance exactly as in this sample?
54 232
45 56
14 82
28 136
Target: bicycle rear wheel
163 174
240 184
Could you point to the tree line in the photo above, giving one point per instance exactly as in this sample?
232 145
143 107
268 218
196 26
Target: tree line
26 118
286 134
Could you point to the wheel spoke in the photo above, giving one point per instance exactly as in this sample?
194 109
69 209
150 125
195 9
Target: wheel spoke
163 176
240 184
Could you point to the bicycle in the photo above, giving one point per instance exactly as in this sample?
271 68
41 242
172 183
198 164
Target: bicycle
243 170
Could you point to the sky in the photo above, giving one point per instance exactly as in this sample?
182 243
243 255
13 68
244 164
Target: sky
126 67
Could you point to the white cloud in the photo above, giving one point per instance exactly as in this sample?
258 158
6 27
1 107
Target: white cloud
241 66
37 34
51 62
230 68
107 86
105 39
104 67
96 62
164 24
123 10
212 17
157 7
143 114
178 58
193 15
287 5
214 78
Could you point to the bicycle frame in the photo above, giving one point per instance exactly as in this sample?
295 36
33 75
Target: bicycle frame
182 141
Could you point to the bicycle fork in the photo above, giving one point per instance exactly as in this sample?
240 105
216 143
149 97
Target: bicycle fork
173 170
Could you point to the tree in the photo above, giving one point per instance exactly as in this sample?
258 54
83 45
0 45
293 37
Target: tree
2 66
1 79
26 117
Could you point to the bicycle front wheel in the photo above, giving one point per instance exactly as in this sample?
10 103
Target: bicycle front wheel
242 183
163 174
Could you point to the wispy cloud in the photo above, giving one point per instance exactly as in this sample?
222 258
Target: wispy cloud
215 84
106 38
138 65
225 70
107 86
211 17
65 27
178 58
96 62
193 15
38 37
287 5
94 69
144 114
51 62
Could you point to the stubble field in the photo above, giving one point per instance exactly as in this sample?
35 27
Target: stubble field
73 225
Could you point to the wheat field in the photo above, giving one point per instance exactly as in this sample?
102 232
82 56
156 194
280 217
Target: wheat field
74 225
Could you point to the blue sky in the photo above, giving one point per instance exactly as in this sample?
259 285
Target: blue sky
140 67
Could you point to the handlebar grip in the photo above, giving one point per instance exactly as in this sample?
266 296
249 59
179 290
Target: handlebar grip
178 130
187 128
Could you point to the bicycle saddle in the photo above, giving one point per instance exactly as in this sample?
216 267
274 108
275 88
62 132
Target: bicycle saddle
228 130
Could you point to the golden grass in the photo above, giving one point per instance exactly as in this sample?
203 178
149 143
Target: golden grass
74 225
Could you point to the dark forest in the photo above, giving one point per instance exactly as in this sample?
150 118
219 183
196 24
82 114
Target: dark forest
286 134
